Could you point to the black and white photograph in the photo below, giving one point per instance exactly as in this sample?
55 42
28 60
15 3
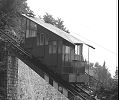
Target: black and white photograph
58 49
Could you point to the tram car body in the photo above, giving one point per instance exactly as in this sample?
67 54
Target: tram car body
57 49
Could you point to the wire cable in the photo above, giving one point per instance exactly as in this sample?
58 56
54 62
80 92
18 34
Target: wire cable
98 45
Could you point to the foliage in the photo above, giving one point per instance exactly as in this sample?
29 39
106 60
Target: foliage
109 88
90 65
103 85
116 74
10 9
110 93
59 23
10 12
49 19
102 73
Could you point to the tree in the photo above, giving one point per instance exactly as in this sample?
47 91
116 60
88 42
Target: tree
59 23
10 14
88 66
49 19
102 73
10 11
109 87
116 74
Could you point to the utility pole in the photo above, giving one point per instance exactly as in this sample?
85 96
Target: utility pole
88 62
88 68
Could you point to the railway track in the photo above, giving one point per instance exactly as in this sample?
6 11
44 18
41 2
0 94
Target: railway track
39 68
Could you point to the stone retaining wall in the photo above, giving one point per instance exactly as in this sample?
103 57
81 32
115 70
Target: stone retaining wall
20 82
33 87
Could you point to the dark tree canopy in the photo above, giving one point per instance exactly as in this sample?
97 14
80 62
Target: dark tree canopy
10 9
10 15
109 87
49 19
59 23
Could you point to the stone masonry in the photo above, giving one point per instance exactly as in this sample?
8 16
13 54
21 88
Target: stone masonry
22 83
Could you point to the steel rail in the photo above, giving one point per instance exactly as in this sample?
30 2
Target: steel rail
35 62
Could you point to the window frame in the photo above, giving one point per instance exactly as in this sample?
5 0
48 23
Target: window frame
53 47
42 38
54 43
30 30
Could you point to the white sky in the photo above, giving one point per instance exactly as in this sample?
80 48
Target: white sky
93 21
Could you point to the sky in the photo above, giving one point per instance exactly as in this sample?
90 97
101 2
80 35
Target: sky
92 21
